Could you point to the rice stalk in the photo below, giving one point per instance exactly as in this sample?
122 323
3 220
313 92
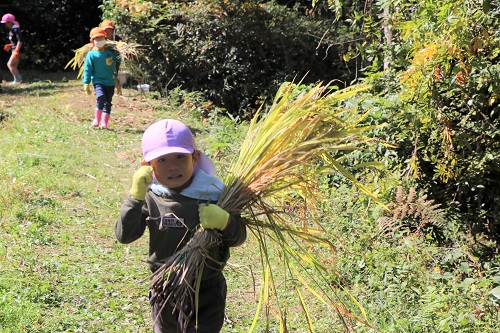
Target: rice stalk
129 53
178 279
273 184
79 59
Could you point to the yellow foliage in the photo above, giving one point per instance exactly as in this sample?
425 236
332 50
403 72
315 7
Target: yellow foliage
425 55
135 6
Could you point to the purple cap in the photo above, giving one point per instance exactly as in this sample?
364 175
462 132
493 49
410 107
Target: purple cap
171 136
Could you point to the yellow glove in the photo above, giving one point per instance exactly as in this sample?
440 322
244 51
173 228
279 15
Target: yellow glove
86 88
213 217
140 181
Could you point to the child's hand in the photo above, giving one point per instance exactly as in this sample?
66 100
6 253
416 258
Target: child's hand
7 47
140 182
213 217
118 86
86 88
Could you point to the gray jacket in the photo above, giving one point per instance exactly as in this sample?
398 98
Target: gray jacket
159 213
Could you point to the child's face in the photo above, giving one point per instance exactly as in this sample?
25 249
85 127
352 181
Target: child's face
174 170
109 33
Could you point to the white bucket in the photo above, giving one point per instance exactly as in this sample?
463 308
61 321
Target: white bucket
143 87
122 77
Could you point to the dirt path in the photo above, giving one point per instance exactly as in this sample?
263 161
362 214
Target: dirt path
129 109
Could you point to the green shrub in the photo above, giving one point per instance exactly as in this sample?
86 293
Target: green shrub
52 30
236 54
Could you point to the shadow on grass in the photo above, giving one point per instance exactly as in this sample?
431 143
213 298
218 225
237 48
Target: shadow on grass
133 131
41 83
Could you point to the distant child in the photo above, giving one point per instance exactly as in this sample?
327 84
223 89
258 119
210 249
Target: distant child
109 28
15 46
100 68
177 181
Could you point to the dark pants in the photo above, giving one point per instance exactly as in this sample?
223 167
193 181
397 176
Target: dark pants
104 96
212 303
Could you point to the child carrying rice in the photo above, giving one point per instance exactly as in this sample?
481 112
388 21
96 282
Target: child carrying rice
101 65
170 195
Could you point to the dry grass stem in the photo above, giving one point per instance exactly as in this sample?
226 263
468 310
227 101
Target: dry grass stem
274 180
129 52
175 281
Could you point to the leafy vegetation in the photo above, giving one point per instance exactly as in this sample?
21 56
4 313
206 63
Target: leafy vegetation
235 53
445 114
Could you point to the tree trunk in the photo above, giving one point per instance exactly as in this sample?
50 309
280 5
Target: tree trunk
388 38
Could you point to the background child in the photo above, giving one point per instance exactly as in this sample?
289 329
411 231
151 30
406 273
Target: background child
15 45
109 29
100 68
182 182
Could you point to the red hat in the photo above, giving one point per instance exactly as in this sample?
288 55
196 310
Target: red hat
107 24
96 32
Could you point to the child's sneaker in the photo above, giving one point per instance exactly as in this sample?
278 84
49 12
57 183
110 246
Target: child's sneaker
17 79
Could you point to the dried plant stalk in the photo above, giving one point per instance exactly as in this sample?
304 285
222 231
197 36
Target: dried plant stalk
129 52
285 152
174 281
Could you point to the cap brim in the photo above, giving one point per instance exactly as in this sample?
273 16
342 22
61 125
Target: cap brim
166 150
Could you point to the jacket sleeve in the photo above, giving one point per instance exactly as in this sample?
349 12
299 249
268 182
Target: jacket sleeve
131 223
236 231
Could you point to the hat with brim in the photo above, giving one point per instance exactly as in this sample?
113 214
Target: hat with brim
97 32
9 18
107 25
172 136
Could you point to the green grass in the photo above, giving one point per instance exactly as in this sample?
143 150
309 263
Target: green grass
61 269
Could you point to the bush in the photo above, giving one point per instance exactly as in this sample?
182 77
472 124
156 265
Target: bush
448 138
236 54
52 30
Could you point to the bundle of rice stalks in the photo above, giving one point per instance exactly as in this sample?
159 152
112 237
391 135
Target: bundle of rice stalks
129 53
177 282
273 184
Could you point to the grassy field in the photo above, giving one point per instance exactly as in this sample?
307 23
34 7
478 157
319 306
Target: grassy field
61 269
